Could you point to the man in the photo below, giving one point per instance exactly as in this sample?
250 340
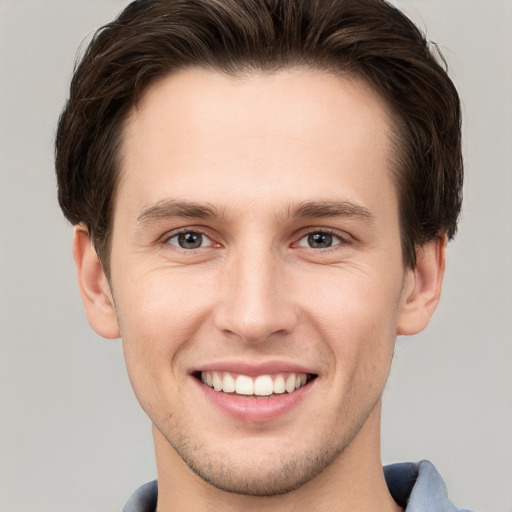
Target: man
262 193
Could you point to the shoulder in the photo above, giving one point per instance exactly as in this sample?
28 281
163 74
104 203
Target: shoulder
418 487
143 499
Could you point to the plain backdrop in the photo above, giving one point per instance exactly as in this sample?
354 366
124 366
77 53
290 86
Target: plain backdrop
72 437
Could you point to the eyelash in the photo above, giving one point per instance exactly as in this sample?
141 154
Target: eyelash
341 239
176 234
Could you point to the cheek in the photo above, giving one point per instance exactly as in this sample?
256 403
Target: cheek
158 318
160 306
353 301
356 317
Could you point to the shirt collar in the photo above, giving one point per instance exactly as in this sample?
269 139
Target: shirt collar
415 487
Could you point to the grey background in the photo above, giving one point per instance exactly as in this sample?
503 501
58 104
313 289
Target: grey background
72 437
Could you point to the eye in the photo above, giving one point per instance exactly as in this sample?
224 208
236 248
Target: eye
189 240
319 240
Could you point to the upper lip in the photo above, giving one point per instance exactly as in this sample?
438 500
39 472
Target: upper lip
254 368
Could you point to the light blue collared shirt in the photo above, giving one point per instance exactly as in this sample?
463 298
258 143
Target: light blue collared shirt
416 487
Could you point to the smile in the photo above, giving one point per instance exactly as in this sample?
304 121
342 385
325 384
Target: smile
254 392
261 385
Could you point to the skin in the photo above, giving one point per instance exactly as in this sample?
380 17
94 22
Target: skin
251 150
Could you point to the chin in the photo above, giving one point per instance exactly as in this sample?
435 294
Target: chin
260 479
257 468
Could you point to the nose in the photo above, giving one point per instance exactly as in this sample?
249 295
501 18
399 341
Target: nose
256 300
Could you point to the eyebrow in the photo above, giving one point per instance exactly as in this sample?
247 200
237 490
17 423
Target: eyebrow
170 208
310 209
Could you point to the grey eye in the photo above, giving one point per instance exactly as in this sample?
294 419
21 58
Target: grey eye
320 240
188 240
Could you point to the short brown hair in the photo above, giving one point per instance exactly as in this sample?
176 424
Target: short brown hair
367 39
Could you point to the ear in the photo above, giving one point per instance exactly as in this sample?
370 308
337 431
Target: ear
94 287
422 287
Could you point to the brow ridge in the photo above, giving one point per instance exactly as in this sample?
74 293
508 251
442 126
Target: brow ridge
169 208
307 209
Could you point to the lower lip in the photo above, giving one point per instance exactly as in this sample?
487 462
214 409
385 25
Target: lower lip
255 409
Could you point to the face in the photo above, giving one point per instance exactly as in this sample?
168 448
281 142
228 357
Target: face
257 271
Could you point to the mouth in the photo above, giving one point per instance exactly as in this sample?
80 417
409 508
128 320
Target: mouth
259 386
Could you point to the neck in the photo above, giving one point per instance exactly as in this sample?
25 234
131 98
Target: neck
354 481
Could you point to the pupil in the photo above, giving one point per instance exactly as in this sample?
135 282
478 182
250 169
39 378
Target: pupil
320 240
190 240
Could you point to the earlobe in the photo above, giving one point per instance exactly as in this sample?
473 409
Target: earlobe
422 287
94 286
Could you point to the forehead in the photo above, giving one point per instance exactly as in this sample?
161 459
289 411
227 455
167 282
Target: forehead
284 137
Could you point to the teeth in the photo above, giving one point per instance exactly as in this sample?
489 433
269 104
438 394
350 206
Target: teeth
263 385
217 381
279 384
290 383
228 383
244 385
